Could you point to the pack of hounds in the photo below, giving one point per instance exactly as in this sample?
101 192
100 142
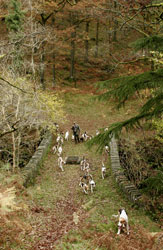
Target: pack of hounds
86 181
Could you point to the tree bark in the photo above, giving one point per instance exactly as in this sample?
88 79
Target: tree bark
42 68
72 68
18 150
115 24
13 152
73 36
97 38
54 70
53 58
86 41
32 40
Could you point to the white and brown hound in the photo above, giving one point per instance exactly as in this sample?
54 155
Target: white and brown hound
92 184
61 162
83 164
67 135
103 170
123 221
84 186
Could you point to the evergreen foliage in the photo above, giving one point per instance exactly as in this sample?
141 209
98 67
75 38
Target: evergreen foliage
158 125
123 88
14 22
154 42
15 18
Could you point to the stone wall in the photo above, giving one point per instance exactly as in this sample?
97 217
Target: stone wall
31 170
125 185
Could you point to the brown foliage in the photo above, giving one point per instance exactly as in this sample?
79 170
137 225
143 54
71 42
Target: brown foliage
11 230
137 240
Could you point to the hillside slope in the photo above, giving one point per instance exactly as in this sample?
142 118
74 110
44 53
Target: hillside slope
63 217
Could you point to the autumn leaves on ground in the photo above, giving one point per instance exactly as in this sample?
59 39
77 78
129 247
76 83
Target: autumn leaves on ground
60 216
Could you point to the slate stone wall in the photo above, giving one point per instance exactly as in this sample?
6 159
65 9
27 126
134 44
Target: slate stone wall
125 185
31 170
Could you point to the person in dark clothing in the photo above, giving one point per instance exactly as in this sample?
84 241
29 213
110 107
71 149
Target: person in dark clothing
76 132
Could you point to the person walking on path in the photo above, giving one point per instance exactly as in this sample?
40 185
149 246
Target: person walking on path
76 132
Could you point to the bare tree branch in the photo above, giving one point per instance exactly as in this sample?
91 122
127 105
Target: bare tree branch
13 85
154 5
10 131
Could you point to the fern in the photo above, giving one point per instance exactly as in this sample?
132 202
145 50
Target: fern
7 201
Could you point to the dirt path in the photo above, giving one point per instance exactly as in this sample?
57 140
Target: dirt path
63 218
57 199
57 196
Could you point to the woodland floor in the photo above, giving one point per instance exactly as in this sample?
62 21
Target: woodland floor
62 217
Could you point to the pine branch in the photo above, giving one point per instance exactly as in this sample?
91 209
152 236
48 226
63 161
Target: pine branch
116 128
154 105
153 43
123 88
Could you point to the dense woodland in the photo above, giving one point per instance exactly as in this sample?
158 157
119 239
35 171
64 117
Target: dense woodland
112 49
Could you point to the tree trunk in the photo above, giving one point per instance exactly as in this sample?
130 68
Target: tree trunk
108 21
115 24
53 58
73 48
32 40
86 42
54 71
97 38
13 152
18 150
44 19
42 68
72 69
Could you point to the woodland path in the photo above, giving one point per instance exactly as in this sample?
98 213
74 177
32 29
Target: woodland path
58 198
64 218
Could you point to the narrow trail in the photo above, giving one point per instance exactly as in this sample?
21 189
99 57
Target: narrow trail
62 217
61 192
58 198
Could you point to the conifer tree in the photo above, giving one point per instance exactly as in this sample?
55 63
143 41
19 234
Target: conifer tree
14 22
15 18
123 88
